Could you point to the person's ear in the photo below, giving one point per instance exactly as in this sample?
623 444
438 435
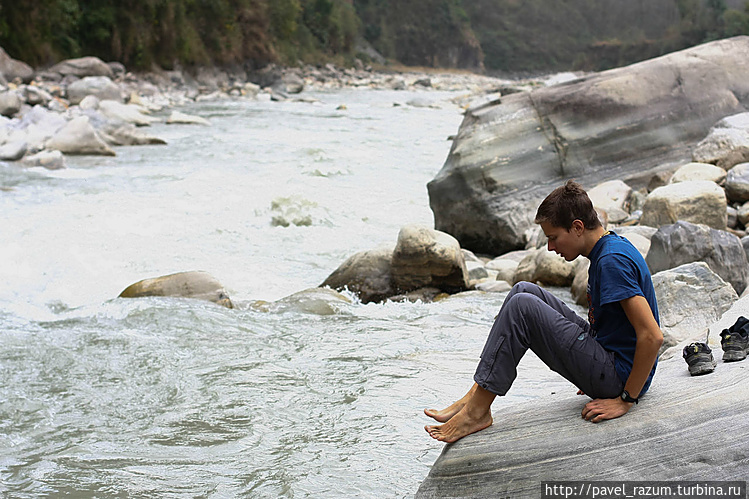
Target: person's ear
578 226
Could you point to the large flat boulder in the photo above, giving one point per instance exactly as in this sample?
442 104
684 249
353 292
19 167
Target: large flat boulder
626 123
685 428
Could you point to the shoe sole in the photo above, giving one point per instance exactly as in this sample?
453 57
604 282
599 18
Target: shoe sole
733 355
702 368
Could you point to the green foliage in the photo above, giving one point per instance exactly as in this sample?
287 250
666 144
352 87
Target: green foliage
506 35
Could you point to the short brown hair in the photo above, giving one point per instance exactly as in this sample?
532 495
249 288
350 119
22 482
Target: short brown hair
566 204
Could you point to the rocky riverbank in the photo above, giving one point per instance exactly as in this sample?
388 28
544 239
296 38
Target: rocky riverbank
86 106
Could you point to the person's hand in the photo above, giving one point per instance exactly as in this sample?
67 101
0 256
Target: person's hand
601 409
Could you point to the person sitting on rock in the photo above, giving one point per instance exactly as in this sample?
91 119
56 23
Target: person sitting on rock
611 357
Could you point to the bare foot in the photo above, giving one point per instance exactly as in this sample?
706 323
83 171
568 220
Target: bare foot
445 414
460 425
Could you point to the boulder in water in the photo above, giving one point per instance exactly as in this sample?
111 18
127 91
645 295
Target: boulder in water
194 284
626 123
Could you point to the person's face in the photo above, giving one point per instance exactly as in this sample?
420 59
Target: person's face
567 243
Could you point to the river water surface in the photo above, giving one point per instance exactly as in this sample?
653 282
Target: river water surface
157 397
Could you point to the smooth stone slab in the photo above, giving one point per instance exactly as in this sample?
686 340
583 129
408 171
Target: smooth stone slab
685 428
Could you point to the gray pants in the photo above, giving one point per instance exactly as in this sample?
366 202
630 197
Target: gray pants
533 318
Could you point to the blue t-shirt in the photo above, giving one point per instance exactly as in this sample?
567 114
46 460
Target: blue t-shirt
617 272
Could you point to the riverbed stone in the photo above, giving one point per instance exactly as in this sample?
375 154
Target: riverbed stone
626 123
737 183
99 86
13 151
699 171
579 287
613 198
10 68
424 257
690 297
696 201
127 113
317 301
724 147
36 96
677 432
51 160
127 134
11 103
366 274
82 67
192 284
685 242
505 268
178 117
78 136
552 269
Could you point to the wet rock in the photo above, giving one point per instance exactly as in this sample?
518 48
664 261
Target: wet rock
498 286
193 284
684 242
186 119
737 183
626 123
366 274
424 257
82 67
10 103
116 134
100 87
690 298
699 171
10 68
318 301
51 160
79 137
697 201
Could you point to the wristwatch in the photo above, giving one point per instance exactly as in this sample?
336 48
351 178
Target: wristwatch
627 398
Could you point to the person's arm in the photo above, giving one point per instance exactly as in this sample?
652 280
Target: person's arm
649 340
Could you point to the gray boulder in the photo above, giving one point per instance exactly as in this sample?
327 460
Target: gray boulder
626 123
78 136
699 171
424 257
613 198
684 242
51 160
674 434
11 103
36 96
10 68
697 201
127 134
723 147
194 284
127 113
366 274
727 144
690 298
737 183
552 269
82 67
13 151
100 87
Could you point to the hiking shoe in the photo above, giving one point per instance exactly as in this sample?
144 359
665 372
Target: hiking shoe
735 343
699 358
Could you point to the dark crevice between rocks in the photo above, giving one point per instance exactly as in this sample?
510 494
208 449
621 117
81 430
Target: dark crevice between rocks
551 134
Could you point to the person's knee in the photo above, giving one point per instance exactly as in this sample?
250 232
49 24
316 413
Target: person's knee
522 302
524 287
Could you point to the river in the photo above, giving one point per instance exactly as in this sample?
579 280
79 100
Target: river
156 397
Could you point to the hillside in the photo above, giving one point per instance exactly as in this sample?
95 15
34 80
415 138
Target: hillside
496 35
